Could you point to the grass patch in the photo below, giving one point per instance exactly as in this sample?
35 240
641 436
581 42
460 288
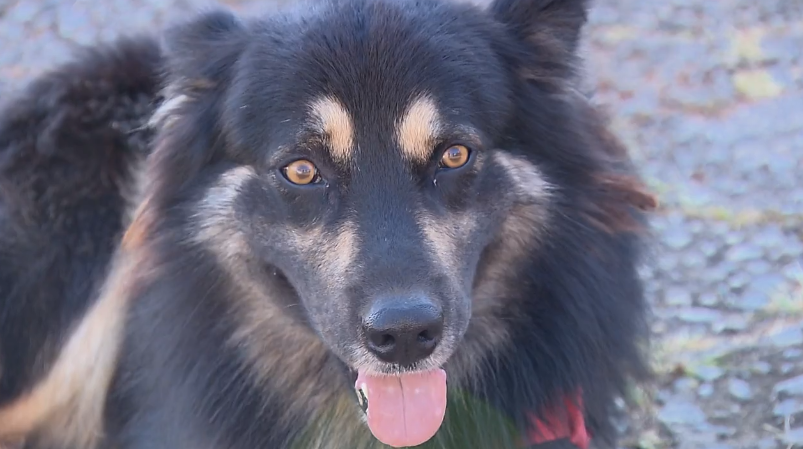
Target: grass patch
756 84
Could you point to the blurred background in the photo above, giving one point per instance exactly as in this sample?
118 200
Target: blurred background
708 94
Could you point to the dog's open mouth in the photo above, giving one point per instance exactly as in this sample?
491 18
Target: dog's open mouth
403 410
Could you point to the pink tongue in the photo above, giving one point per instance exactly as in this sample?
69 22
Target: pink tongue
404 410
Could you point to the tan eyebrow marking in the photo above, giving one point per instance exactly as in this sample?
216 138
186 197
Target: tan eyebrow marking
335 122
418 129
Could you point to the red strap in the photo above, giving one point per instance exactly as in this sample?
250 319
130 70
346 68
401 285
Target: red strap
573 428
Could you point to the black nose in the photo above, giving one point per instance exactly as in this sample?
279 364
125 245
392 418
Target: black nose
403 330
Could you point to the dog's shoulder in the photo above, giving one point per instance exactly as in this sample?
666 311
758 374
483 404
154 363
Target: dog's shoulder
69 143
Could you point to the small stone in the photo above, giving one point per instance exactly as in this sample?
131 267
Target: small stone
681 412
708 249
699 315
793 437
705 390
668 262
736 323
752 300
702 439
768 283
743 252
709 373
758 267
791 249
663 396
789 387
723 431
685 385
728 267
792 272
677 238
719 227
762 367
721 413
769 236
718 273
675 296
793 353
695 260
739 280
792 336
787 407
733 238
740 389
766 443
696 226
708 299
23 12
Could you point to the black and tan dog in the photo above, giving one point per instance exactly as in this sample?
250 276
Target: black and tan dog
214 241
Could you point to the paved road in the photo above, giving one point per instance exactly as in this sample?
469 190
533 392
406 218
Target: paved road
709 94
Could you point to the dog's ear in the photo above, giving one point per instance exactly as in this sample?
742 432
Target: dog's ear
199 60
547 33
559 21
203 49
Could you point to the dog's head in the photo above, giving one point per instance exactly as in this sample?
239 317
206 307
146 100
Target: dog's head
386 163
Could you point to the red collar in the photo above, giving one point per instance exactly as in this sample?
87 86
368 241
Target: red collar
553 428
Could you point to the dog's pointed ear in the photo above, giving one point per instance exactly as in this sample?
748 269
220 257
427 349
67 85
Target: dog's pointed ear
557 20
202 50
199 62
547 30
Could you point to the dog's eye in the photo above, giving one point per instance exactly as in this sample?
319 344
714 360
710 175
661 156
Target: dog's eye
301 172
455 156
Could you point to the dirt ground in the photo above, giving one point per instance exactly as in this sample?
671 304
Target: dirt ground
709 96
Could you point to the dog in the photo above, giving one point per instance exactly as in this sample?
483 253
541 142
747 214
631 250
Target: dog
350 224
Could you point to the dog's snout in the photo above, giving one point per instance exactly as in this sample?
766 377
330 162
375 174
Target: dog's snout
403 330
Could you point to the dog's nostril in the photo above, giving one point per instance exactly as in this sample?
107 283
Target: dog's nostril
381 340
403 330
424 337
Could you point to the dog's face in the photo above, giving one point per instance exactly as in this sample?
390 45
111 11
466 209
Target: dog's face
364 156
368 166
377 179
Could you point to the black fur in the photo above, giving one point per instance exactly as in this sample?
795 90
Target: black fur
576 320
66 144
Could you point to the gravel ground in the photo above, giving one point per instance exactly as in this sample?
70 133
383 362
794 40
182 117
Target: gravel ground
709 95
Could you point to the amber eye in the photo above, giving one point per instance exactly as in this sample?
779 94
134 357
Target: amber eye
301 172
455 156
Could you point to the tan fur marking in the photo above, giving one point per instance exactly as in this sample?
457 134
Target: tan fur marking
527 178
132 187
336 251
443 236
525 222
618 193
165 115
138 229
418 128
218 225
266 337
334 121
529 215
68 404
